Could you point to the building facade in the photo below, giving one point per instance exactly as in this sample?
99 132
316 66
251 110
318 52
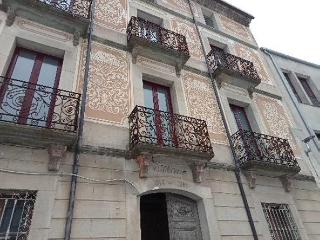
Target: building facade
185 135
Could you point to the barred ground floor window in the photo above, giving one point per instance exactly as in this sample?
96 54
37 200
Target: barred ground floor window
281 222
16 210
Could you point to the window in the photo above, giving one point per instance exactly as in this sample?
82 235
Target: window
280 221
240 118
208 18
208 21
16 209
166 216
160 127
29 73
309 92
318 136
147 30
286 75
150 18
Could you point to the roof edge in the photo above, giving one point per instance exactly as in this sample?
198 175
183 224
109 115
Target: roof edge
228 10
289 57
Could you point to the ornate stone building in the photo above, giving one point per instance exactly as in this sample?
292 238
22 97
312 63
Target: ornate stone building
185 133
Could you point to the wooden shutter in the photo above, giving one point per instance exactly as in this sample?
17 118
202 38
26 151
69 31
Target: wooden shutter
183 218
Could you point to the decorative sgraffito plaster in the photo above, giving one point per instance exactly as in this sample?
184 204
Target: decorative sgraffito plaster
235 28
111 14
275 119
183 6
108 96
253 56
202 104
189 31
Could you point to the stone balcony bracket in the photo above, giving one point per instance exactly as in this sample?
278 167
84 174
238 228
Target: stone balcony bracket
197 171
286 182
56 153
143 163
251 177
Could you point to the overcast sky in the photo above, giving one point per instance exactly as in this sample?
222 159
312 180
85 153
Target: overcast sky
288 26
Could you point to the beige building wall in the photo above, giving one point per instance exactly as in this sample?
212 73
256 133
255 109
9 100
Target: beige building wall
110 211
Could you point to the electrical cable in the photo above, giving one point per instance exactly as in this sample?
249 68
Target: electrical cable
63 174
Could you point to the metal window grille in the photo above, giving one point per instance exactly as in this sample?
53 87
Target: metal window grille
280 220
16 209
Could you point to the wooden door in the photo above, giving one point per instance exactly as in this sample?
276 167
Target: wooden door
183 219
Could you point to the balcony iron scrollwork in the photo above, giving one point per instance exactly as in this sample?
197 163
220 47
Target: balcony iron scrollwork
152 127
153 33
222 61
38 105
252 147
79 8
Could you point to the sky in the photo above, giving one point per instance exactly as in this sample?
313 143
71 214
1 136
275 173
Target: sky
291 27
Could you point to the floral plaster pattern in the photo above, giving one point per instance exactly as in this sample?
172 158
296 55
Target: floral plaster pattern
275 119
111 14
182 5
202 104
108 87
253 56
235 28
189 31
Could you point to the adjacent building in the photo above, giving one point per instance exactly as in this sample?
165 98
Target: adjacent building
299 83
187 134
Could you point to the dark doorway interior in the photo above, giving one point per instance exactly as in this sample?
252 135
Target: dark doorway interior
154 218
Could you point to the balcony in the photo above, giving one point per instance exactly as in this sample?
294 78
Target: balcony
264 154
233 70
152 41
158 132
36 115
66 15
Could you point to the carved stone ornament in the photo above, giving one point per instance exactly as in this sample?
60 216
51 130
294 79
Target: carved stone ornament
143 162
286 182
251 177
197 171
178 69
135 54
56 152
11 15
76 37
251 91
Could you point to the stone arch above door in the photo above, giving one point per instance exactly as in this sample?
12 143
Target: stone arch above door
200 194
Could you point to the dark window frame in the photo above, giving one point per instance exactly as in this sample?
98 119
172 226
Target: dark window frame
287 77
308 90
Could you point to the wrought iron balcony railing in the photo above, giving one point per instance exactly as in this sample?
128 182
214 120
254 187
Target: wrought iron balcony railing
221 61
152 127
79 8
149 32
252 148
38 105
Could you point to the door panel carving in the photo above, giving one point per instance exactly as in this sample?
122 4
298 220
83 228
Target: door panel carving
183 218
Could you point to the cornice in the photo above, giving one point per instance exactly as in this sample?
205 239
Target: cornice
227 10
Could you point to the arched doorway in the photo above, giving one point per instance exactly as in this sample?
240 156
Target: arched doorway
167 216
